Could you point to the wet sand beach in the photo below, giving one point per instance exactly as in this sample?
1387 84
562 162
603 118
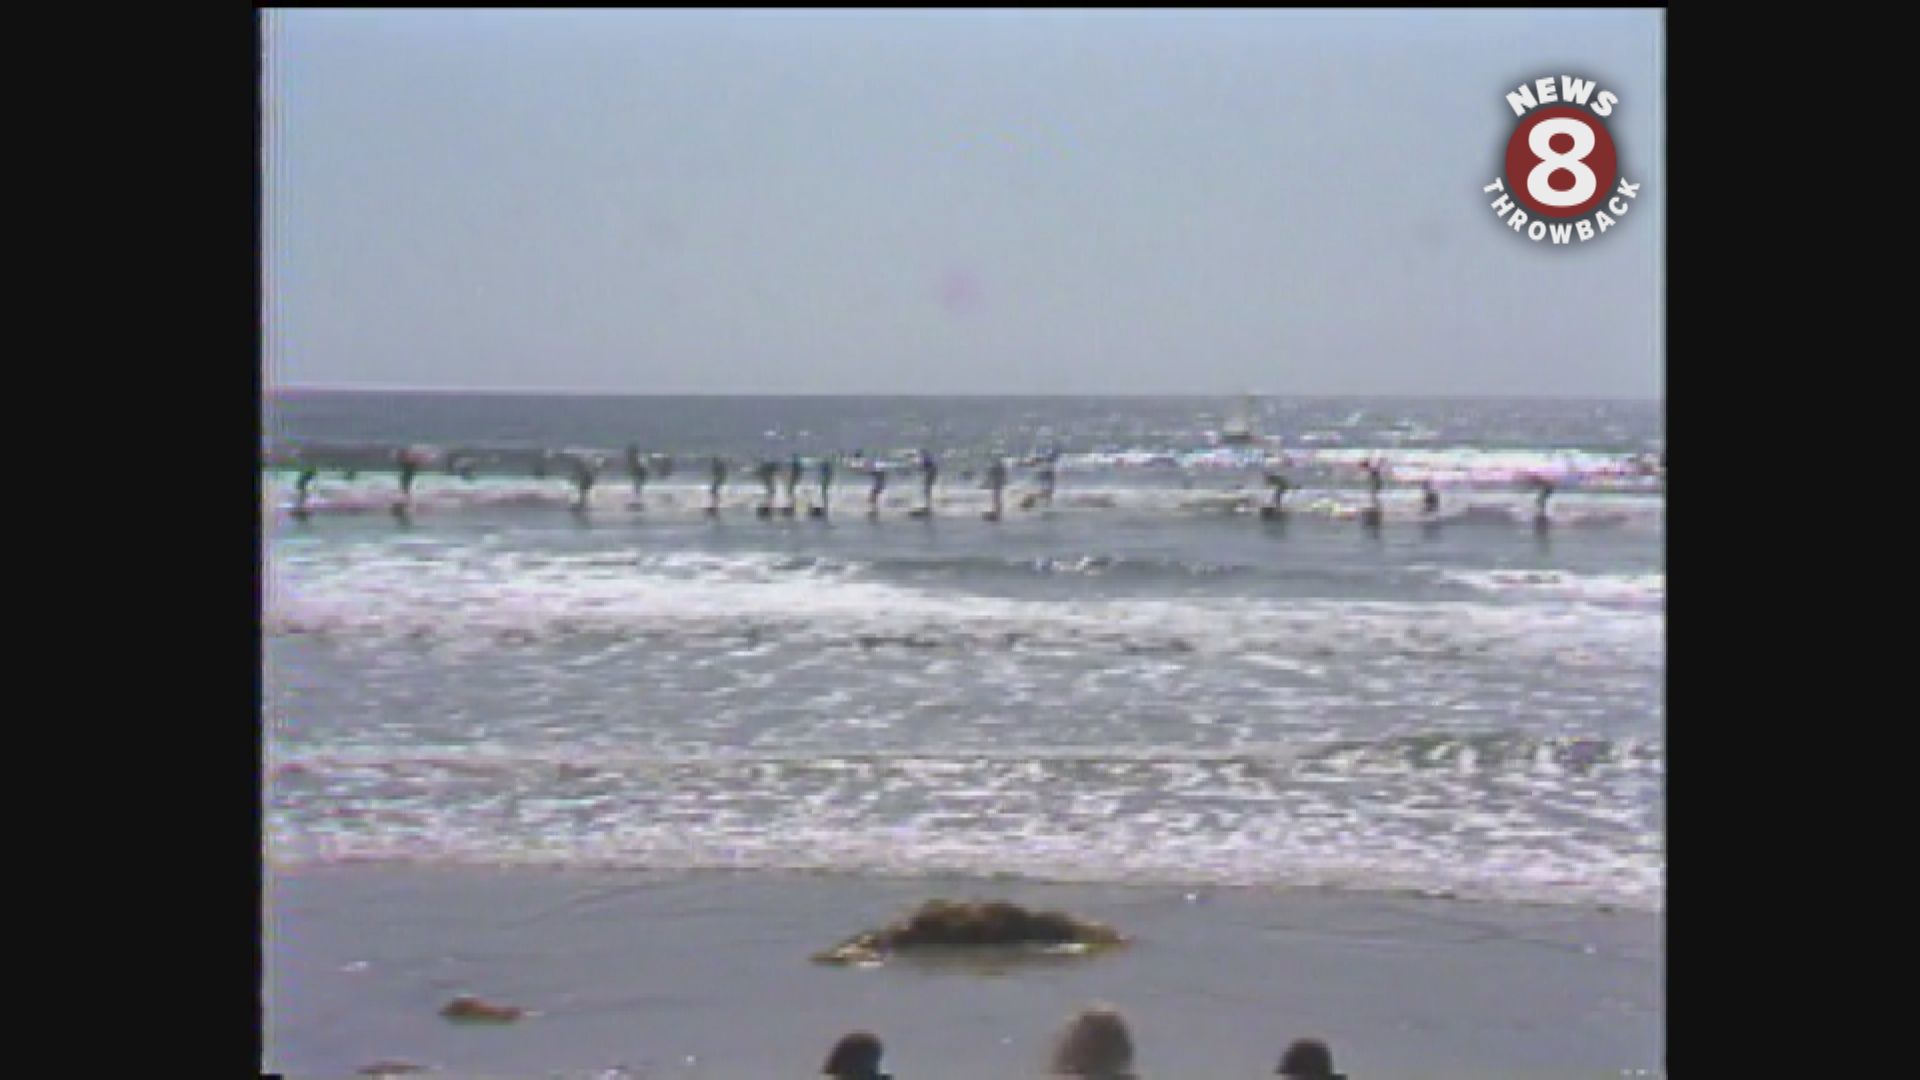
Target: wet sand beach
707 975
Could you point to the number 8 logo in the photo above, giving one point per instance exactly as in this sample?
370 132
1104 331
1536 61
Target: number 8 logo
1560 162
1540 141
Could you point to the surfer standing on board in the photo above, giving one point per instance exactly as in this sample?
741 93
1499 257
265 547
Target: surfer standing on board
1370 518
1374 481
794 469
583 477
879 470
1048 465
637 465
409 468
719 480
300 485
929 472
768 472
1278 481
826 480
996 483
1429 498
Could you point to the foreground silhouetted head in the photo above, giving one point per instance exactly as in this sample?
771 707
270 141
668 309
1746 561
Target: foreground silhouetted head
854 1057
1094 1045
1308 1059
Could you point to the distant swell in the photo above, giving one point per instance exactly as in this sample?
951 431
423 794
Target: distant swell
508 598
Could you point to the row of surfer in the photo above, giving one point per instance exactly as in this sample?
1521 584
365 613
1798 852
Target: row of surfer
1375 471
585 469
770 474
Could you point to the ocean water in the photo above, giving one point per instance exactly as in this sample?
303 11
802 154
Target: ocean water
1144 682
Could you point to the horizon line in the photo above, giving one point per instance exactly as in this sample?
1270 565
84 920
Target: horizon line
540 391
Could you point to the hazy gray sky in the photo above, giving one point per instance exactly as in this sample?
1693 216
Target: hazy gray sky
945 202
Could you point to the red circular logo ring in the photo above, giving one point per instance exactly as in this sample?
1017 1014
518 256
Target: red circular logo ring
1561 162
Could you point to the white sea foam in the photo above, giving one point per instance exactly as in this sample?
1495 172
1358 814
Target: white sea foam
1640 590
1500 819
476 592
